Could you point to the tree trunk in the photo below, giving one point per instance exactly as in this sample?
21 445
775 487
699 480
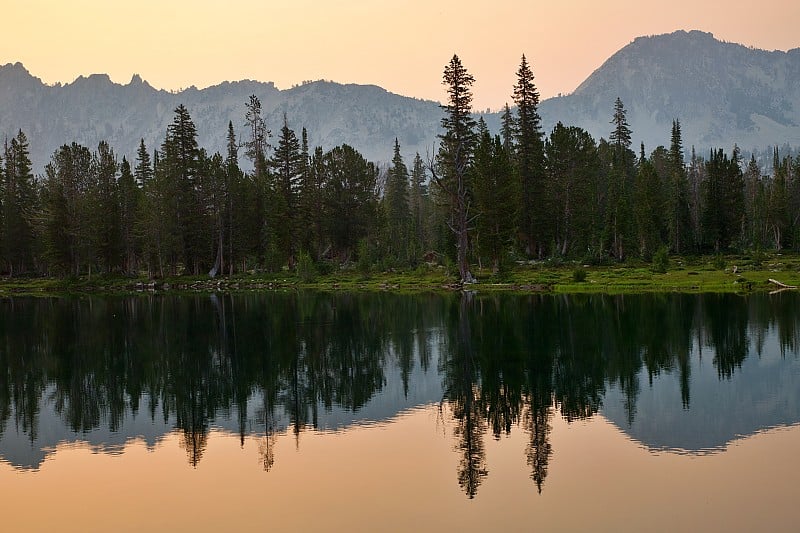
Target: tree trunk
462 236
218 262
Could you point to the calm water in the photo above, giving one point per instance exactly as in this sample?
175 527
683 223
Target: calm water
377 412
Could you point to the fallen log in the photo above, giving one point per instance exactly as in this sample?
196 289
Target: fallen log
781 285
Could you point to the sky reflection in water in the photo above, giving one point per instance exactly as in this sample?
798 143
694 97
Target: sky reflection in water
405 404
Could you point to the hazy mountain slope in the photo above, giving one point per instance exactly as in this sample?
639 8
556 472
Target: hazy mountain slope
92 109
721 92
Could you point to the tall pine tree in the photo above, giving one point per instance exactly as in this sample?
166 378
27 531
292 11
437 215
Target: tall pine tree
395 202
530 163
19 205
618 214
677 197
105 213
178 169
419 205
454 160
287 172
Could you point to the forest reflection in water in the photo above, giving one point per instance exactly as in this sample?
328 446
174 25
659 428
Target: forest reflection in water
285 363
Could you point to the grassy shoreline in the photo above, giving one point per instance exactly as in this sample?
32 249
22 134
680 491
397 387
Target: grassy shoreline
737 274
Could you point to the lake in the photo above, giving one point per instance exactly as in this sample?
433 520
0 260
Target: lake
389 412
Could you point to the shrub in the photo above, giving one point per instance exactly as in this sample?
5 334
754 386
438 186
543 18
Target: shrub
273 260
719 262
450 267
758 258
661 260
306 269
504 270
579 275
325 268
364 263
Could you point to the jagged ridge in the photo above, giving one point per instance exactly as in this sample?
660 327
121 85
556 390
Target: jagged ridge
722 93
94 108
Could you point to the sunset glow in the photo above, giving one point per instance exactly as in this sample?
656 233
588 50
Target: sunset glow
401 47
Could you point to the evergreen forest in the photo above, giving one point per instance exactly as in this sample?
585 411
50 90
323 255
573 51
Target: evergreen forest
481 200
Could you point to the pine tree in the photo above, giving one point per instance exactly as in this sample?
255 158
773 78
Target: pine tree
571 166
3 202
310 199
723 200
454 160
105 212
287 172
234 203
621 135
17 206
214 196
756 229
778 207
143 171
80 179
647 197
734 199
620 184
496 197
695 178
67 203
179 165
129 200
677 198
54 219
350 203
508 130
396 207
313 201
794 203
530 163
153 226
256 147
419 203
308 193
258 143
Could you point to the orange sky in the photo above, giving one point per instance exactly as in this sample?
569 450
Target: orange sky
598 480
401 45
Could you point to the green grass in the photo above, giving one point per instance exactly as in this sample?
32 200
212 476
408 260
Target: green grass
693 274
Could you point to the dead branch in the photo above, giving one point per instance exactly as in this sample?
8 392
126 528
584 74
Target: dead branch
781 285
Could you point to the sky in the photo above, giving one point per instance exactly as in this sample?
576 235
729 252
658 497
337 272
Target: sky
400 45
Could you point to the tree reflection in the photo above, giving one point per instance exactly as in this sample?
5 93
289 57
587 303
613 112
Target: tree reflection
280 361
538 449
462 392
726 323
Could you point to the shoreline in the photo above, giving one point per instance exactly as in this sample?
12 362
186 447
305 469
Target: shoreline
697 275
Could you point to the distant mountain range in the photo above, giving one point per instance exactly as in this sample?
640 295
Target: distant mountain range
95 108
722 93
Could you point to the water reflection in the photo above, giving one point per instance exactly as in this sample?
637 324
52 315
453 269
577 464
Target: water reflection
106 370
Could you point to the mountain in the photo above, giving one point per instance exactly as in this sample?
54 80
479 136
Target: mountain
27 448
764 393
723 93
94 108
